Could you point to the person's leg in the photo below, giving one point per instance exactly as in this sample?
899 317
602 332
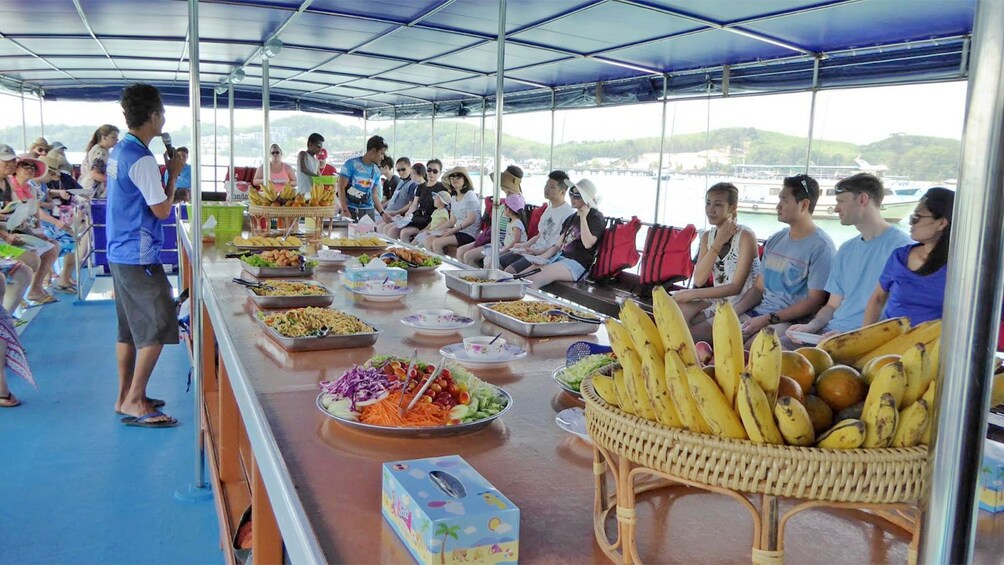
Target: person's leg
473 256
518 266
550 273
20 279
125 354
463 249
41 278
66 276
407 234
507 259
692 308
136 402
440 244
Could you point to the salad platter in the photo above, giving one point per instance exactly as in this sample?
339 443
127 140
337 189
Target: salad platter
450 400
570 377
314 329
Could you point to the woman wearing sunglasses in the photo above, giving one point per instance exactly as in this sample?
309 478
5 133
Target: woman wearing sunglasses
913 281
465 213
423 205
279 173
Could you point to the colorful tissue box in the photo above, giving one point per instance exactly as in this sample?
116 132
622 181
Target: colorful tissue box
446 512
357 277
992 477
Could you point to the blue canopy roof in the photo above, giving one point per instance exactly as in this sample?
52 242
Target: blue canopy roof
410 58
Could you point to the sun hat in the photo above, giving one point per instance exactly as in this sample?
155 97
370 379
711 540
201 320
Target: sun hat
461 171
512 178
41 142
41 169
514 202
7 153
51 162
443 195
586 189
57 145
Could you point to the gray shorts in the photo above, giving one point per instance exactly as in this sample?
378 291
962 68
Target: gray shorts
144 305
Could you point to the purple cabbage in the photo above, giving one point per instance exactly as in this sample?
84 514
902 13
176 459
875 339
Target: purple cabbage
360 384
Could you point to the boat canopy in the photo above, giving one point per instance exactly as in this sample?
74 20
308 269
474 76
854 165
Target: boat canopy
387 59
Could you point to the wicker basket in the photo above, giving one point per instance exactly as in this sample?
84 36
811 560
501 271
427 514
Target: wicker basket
262 216
886 482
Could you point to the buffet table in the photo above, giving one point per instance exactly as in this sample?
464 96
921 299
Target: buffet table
315 485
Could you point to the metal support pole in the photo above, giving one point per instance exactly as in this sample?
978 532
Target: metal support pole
550 156
265 131
972 306
24 124
499 104
662 149
216 185
366 129
812 113
41 113
195 100
481 177
232 189
395 132
432 148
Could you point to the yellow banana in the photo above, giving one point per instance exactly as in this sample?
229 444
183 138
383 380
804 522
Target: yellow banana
714 407
653 375
912 424
891 379
794 422
640 326
604 386
636 386
934 347
870 370
928 397
846 434
923 333
847 347
765 362
679 392
728 349
755 412
917 368
880 421
673 327
997 390
620 339
620 386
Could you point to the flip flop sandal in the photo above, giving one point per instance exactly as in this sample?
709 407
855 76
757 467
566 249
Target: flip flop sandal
68 289
49 299
144 421
9 401
154 402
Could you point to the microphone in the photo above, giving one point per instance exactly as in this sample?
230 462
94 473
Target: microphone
167 143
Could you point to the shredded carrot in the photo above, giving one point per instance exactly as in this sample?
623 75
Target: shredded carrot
385 413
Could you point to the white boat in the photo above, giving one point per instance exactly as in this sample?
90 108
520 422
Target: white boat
760 197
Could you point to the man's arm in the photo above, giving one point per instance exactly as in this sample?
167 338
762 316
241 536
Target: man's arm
343 198
161 209
804 307
376 198
751 298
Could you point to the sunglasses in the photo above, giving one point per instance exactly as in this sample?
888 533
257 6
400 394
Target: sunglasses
456 176
574 193
402 170
27 166
916 218
433 171
277 152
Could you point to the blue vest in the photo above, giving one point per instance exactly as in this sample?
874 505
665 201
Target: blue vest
135 235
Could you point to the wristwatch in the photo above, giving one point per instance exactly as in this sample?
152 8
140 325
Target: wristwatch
774 318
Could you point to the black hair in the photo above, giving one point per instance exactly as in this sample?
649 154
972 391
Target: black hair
182 149
940 203
404 160
387 162
315 138
515 171
467 182
436 161
804 187
375 143
729 190
419 169
139 103
560 177
862 183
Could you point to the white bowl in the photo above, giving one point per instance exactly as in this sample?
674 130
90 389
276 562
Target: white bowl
481 346
328 253
381 287
436 317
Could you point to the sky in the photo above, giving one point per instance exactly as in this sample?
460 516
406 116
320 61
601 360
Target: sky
859 116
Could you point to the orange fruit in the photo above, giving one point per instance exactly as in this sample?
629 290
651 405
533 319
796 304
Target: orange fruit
790 387
819 359
840 386
819 412
796 366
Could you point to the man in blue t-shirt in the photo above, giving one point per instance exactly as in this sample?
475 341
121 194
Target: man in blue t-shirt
183 190
796 263
859 262
359 183
137 206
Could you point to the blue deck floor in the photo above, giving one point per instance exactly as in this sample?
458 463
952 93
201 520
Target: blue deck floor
77 486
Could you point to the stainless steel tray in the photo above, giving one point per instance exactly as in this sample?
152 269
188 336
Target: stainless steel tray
320 301
512 290
268 272
326 342
571 327
428 432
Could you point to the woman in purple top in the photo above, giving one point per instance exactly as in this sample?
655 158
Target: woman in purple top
913 281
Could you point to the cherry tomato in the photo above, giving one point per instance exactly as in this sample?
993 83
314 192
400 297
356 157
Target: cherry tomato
454 389
426 399
399 372
446 373
441 382
435 387
465 397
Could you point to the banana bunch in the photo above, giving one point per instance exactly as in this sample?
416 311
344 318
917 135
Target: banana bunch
322 195
268 196
662 380
259 241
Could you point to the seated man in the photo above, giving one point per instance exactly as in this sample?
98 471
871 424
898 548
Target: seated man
859 262
548 229
795 266
400 200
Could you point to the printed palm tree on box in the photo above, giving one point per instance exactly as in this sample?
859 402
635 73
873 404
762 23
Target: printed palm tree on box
446 531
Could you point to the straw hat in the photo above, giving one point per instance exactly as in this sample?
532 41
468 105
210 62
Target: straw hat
460 171
512 178
41 169
52 162
41 143
586 189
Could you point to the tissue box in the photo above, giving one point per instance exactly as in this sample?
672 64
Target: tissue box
446 512
357 229
992 477
356 277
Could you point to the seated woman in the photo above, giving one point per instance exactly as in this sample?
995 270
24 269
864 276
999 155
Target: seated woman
439 218
514 216
511 184
279 173
727 254
60 202
465 210
24 174
913 281
571 257
423 205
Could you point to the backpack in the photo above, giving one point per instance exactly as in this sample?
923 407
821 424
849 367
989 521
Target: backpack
666 256
618 250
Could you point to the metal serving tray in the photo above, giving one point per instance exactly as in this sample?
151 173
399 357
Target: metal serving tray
326 342
511 290
268 272
294 301
571 327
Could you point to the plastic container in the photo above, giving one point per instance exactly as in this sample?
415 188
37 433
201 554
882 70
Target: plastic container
229 217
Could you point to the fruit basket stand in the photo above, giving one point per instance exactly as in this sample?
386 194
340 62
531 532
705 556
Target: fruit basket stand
642 456
262 216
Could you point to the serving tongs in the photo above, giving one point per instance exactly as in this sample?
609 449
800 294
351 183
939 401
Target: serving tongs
573 316
432 378
252 284
407 381
395 257
519 276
